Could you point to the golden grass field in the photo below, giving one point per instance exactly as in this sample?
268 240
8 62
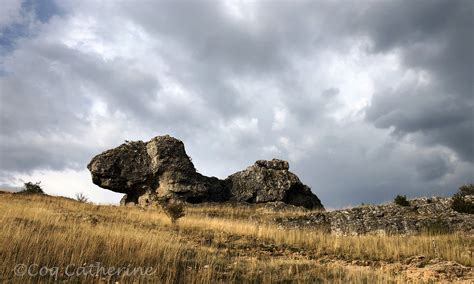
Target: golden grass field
211 244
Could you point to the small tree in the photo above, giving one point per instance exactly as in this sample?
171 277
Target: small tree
32 188
461 203
81 197
401 200
173 208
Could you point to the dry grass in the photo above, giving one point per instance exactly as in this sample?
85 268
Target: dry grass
210 244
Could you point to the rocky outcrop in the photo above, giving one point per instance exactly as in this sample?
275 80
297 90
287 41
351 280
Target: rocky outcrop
424 214
158 168
269 181
148 171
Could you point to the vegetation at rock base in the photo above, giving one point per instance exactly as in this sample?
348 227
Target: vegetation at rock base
81 197
214 243
401 200
462 203
32 188
173 208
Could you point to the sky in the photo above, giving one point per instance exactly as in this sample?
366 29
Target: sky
365 99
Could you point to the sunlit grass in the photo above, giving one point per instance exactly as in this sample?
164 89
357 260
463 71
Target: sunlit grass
212 243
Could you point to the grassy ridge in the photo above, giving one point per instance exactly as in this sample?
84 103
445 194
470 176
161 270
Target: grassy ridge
211 243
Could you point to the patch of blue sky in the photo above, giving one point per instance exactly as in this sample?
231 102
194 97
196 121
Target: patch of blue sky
42 9
31 10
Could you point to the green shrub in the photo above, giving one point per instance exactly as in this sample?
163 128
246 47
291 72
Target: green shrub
401 200
32 188
467 189
460 202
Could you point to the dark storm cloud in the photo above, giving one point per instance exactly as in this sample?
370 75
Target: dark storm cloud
213 49
32 153
220 47
440 118
38 100
432 35
210 36
435 37
432 167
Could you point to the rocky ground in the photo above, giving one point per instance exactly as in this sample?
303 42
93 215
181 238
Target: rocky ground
422 215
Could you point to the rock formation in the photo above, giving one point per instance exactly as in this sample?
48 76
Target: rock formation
423 214
146 171
269 181
158 168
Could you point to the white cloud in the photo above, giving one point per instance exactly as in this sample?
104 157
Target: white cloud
68 183
279 118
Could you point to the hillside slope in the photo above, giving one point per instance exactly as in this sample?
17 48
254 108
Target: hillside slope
212 243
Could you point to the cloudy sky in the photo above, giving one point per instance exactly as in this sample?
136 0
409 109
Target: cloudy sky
365 99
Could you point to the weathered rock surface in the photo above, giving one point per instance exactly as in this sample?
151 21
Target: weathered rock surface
269 181
146 171
423 214
158 168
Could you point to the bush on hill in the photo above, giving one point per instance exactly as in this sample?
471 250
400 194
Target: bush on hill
462 203
32 188
401 200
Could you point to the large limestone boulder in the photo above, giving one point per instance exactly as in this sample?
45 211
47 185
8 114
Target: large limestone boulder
160 168
270 181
